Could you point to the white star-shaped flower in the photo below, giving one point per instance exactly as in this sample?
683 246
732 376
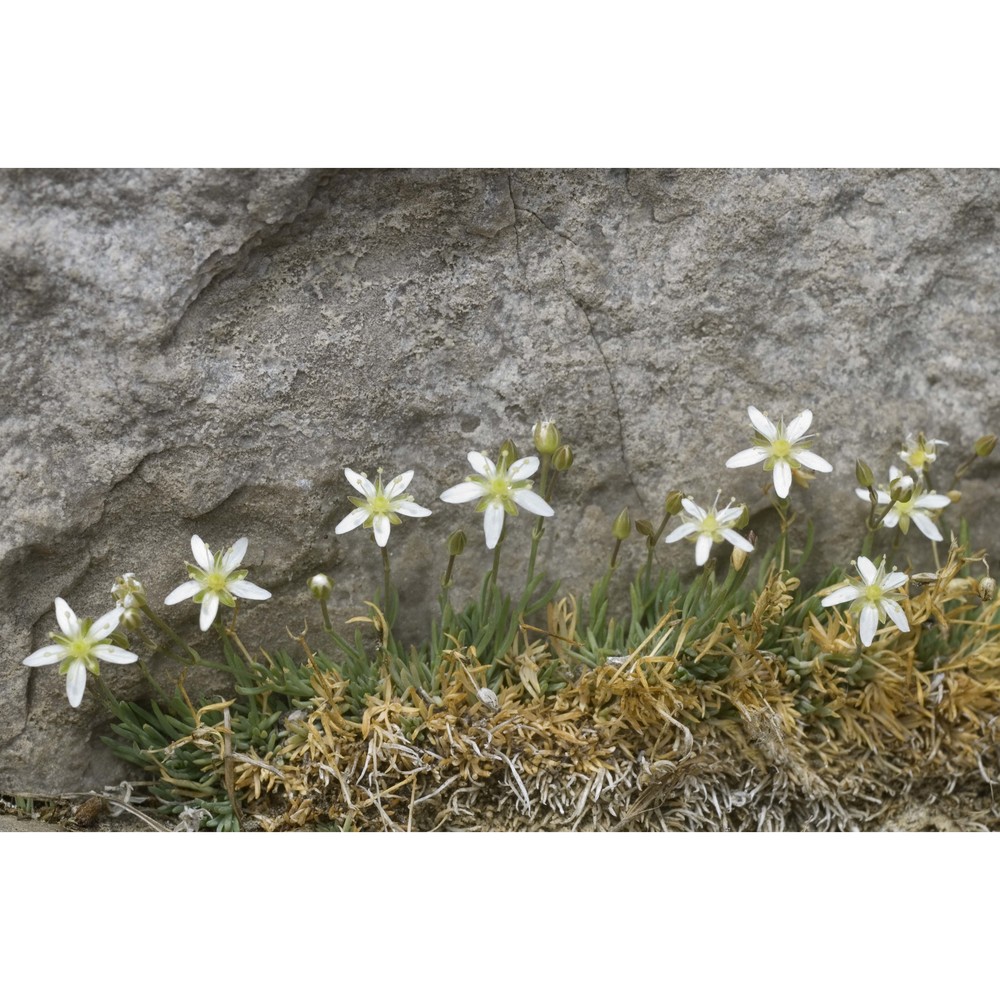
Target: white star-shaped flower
379 508
905 511
920 452
498 489
79 648
782 451
873 598
709 526
215 580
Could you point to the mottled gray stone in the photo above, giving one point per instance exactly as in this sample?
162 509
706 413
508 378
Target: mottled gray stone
206 350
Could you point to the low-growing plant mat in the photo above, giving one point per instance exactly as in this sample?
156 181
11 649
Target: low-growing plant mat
811 733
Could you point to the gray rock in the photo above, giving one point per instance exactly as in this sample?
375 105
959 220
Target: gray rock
204 351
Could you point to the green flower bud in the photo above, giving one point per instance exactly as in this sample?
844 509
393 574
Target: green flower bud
673 502
863 474
320 586
744 518
546 437
130 617
563 458
645 528
985 445
456 543
508 453
901 489
622 526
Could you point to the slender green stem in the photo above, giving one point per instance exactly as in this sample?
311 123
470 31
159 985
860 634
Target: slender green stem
168 631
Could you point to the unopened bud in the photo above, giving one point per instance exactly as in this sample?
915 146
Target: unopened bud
130 617
985 445
508 453
489 698
645 528
987 589
622 526
563 458
456 543
320 586
863 474
546 437
901 489
954 495
738 558
673 502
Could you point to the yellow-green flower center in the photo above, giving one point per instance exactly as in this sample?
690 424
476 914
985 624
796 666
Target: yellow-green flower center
79 649
873 593
781 448
710 524
215 582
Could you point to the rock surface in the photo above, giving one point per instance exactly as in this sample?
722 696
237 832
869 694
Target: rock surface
204 351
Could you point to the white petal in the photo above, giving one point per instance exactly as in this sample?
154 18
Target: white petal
867 570
891 519
464 492
398 484
234 556
68 622
782 478
355 519
681 531
202 553
762 424
381 526
932 501
523 468
244 588
862 493
45 656
693 509
728 514
183 592
362 485
209 609
482 464
410 509
868 624
798 426
114 654
736 540
812 461
76 682
894 581
530 500
927 527
106 624
896 613
493 523
840 595
751 456
702 547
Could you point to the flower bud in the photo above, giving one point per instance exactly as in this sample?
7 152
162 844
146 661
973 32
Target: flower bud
985 445
863 474
622 526
130 617
563 458
987 589
128 591
954 495
901 489
489 698
546 437
508 453
645 528
456 543
320 586
737 558
673 502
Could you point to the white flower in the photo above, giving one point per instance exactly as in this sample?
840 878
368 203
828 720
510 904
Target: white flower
904 511
871 596
216 580
710 526
379 508
498 489
920 453
79 648
780 450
